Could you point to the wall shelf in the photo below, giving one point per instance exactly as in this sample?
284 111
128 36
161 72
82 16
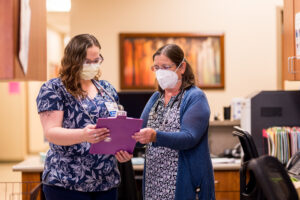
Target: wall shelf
225 123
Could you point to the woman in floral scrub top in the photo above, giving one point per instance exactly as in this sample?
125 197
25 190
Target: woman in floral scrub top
69 107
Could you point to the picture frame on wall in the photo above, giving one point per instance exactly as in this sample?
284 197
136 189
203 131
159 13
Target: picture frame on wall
204 52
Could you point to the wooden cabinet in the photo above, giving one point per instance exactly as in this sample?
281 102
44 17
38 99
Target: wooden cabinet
291 63
227 184
10 68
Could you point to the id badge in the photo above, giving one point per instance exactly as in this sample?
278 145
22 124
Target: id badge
112 108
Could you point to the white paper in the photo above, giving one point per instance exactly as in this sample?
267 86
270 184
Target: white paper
137 160
224 160
25 18
297 33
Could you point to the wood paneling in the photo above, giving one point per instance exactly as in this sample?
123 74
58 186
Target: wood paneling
291 65
227 184
297 66
10 68
6 39
227 195
29 181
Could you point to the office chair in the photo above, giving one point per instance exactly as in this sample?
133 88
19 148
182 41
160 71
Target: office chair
272 178
293 166
247 143
248 190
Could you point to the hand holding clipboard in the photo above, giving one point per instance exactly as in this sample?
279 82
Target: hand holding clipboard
121 129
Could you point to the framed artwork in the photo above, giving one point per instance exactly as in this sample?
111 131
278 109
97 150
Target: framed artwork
204 52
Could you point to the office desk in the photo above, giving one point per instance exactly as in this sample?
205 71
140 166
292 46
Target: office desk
227 182
226 175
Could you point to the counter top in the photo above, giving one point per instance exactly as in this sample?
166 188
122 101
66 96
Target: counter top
225 123
31 164
34 164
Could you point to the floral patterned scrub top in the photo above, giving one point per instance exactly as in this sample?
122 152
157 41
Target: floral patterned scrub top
162 162
73 167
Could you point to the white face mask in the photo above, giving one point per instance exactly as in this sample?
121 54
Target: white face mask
166 78
89 71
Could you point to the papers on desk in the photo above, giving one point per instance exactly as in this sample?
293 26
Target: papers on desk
141 160
137 160
225 160
283 142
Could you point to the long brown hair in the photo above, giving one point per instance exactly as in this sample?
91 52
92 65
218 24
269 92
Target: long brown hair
176 55
72 61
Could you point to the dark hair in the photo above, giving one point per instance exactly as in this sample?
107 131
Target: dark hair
72 61
176 55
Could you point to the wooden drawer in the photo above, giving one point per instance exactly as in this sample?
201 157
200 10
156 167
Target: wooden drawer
227 195
227 181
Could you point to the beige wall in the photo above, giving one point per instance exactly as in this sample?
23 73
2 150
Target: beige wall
20 128
249 27
13 122
54 53
251 53
35 135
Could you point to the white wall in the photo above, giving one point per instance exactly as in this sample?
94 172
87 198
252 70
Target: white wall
249 27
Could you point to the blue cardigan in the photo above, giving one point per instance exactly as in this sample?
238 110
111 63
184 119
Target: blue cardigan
194 162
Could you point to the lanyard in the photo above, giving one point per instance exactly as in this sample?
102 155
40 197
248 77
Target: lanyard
99 87
177 98
86 112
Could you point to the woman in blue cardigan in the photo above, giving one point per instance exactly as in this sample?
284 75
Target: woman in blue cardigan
178 164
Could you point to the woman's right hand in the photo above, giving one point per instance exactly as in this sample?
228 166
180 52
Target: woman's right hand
145 136
92 134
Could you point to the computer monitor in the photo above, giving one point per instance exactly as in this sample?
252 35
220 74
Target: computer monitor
134 102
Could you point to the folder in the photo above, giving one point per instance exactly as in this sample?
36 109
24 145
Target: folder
121 129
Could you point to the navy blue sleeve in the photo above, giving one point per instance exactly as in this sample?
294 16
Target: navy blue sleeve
194 125
49 98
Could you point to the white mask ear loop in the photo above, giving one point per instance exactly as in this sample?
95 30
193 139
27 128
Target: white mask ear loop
179 67
180 63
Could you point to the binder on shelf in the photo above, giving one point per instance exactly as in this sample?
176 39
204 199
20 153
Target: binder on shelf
283 142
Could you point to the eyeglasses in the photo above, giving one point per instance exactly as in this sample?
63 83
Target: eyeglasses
96 61
164 67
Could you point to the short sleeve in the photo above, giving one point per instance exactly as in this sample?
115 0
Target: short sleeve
49 98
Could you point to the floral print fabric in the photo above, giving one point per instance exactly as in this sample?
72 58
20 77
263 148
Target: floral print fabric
73 167
162 162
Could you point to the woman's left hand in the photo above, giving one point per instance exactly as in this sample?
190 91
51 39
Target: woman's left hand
123 156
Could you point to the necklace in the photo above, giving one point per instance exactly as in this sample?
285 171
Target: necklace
85 106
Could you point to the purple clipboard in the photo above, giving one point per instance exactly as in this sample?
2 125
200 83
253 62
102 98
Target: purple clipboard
121 129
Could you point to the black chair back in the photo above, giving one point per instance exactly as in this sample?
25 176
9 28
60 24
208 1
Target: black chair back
272 178
247 143
248 189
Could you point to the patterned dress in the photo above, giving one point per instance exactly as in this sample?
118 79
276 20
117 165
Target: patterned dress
162 162
73 167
